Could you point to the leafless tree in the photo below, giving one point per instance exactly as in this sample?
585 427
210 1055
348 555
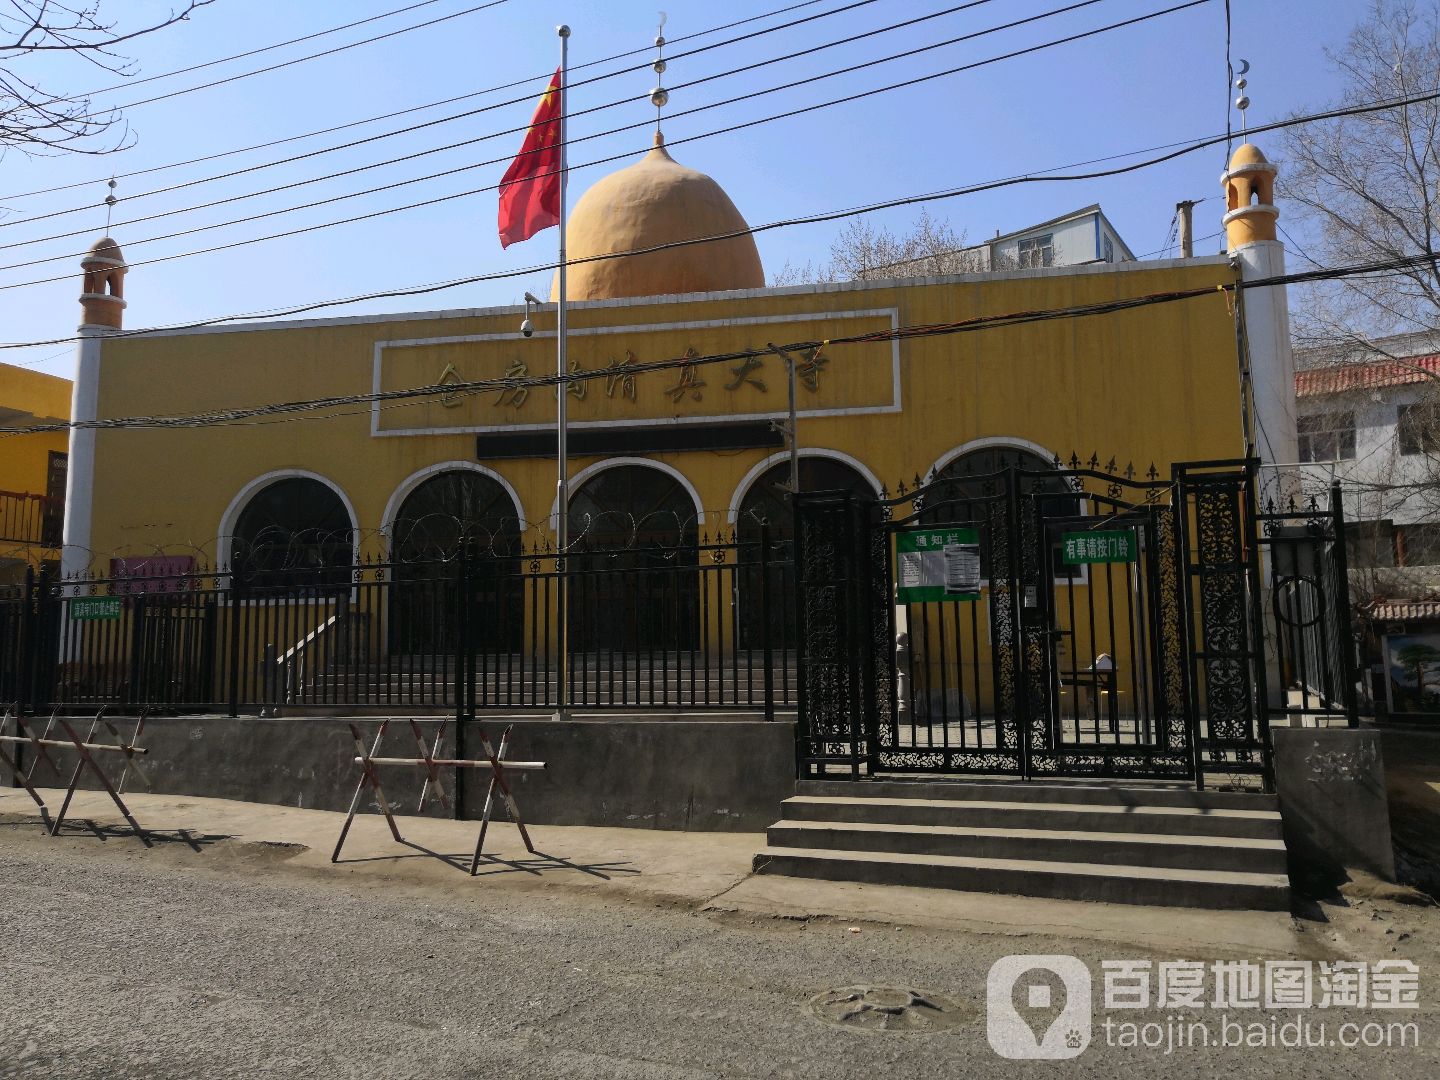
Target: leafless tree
1367 184
863 252
34 34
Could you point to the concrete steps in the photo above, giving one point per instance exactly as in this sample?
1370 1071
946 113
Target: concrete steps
1161 844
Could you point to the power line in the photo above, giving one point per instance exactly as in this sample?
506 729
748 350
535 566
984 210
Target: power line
590 164
628 99
225 417
252 52
461 97
292 63
910 200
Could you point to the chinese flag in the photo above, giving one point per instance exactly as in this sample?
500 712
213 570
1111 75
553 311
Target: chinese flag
530 190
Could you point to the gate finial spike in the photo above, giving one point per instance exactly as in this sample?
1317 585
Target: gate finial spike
1129 470
1110 466
1074 460
1094 462
1154 473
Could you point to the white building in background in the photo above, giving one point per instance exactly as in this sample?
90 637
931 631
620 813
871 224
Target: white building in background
1371 419
1074 239
1372 423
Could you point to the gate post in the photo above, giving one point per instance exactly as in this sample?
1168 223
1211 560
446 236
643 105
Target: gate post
1342 601
765 648
1016 571
27 655
1257 609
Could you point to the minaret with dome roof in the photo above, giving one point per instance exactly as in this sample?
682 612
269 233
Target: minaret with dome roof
1250 228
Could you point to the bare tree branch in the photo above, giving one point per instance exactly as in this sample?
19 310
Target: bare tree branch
36 120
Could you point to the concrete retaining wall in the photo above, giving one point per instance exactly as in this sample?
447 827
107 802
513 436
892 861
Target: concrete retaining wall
1331 783
703 775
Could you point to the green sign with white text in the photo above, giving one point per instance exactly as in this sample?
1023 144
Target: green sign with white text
937 564
1098 546
92 608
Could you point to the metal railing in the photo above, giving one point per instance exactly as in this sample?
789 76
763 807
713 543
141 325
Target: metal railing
27 518
700 626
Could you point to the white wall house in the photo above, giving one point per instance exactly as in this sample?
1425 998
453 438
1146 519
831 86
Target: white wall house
1373 425
1074 239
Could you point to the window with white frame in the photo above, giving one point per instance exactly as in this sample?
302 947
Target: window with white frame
1037 251
1327 436
1418 428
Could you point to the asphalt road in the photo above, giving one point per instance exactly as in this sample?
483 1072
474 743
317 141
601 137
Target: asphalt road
123 962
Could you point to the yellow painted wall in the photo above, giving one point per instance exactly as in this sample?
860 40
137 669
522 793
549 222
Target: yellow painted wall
1156 384
29 397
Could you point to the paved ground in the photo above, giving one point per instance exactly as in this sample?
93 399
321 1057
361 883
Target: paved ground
233 948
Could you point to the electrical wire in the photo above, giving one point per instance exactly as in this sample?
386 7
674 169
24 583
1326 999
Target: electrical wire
834 215
590 164
224 417
627 100
290 63
128 83
464 97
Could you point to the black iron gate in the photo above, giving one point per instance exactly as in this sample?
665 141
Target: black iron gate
1115 629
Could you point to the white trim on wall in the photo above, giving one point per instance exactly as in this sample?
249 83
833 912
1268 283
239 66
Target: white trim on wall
415 479
894 406
614 462
237 505
990 442
758 470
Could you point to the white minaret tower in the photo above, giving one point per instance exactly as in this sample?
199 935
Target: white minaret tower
102 303
1250 216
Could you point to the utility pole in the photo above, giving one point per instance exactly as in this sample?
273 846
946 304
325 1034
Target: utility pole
1184 211
789 428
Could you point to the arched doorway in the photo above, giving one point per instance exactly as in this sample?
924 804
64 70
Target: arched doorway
455 512
634 552
295 531
765 506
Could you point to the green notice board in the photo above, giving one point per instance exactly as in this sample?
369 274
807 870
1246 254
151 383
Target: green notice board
937 564
1098 546
91 608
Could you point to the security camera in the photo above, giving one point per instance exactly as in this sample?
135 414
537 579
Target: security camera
531 298
527 328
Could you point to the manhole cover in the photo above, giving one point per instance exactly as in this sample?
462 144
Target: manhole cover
888 1008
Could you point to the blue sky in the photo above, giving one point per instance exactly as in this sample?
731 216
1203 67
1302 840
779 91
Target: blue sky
1128 90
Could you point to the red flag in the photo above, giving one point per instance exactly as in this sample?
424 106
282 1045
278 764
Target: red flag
530 190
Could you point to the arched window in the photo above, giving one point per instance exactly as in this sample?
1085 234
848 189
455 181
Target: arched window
454 505
295 531
971 489
633 581
768 499
767 503
455 509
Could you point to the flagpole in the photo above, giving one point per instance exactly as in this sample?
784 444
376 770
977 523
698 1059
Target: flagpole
562 483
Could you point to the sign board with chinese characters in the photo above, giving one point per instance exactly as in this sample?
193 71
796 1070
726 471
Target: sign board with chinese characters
851 379
937 564
95 608
1098 546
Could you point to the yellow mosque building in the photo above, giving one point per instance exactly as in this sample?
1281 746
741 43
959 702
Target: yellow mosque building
1149 385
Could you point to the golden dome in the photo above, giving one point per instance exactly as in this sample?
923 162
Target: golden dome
654 202
1248 154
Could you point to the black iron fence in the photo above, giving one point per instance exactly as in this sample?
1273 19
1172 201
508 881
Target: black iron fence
27 518
697 626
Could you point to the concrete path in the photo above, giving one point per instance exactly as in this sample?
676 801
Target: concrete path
232 949
709 871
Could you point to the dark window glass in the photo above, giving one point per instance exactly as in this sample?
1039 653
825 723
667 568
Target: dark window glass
972 486
1418 545
451 509
1418 428
1037 251
1328 436
1369 544
634 581
293 532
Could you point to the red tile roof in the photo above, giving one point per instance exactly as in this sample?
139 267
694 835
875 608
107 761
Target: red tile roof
1367 376
1401 610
